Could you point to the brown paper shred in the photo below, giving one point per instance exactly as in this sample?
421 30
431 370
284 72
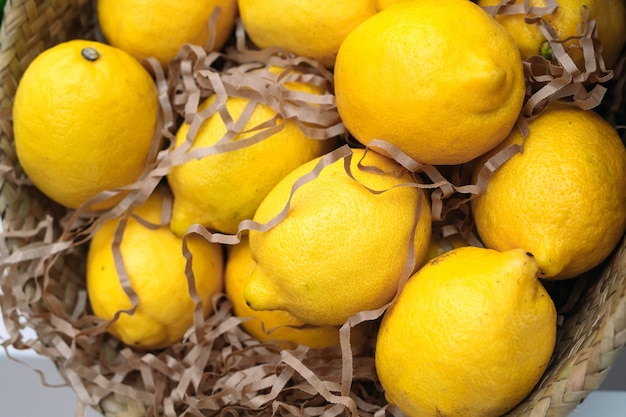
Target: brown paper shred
242 52
347 368
213 19
122 273
194 77
531 13
451 187
446 196
37 250
316 115
198 313
314 380
167 125
560 78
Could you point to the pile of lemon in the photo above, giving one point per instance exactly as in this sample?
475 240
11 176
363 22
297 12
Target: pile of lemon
324 229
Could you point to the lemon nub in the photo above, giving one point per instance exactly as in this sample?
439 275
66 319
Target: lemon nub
545 50
90 53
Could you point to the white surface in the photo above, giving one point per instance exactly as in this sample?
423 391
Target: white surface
26 393
602 403
22 393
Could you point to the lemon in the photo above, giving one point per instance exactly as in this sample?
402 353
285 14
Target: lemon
469 336
203 189
310 28
440 80
563 198
611 25
341 248
159 28
84 117
440 245
383 4
155 265
277 325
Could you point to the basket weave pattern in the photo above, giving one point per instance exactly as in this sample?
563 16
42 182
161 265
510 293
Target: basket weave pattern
591 335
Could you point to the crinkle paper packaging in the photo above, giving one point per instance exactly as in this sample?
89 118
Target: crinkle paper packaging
219 369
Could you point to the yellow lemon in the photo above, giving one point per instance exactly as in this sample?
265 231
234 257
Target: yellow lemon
84 118
155 265
269 325
203 189
341 248
310 28
383 4
440 245
469 336
158 28
440 80
563 198
611 25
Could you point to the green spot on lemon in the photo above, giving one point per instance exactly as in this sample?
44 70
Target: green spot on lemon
545 50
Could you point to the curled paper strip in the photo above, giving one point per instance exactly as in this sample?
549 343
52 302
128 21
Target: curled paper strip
560 78
532 14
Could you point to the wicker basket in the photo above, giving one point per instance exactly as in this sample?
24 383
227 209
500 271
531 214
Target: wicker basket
591 335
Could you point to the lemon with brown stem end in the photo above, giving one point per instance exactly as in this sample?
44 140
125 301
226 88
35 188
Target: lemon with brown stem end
84 118
469 336
563 198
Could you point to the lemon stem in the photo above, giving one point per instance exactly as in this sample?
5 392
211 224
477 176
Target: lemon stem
90 53
545 50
